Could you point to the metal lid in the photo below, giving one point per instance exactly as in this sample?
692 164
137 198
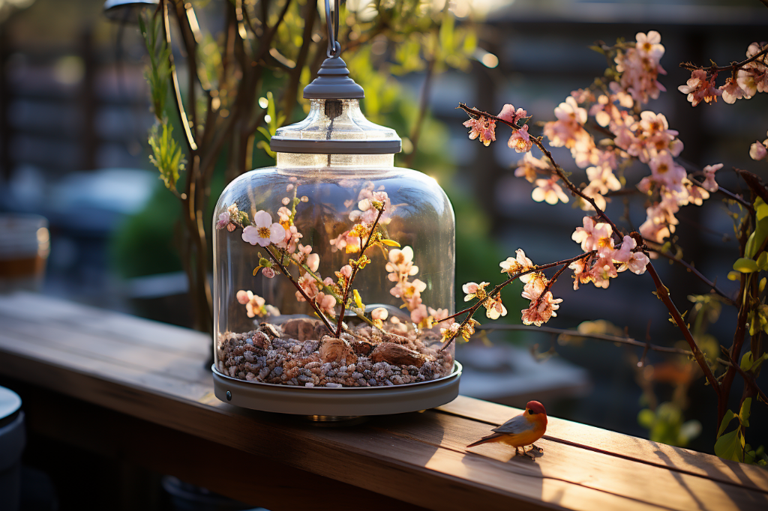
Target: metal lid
333 82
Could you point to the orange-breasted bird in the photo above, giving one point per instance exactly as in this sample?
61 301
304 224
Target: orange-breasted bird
521 430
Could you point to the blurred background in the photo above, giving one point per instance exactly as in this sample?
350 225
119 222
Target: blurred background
74 114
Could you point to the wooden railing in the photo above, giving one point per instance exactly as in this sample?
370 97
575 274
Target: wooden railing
137 390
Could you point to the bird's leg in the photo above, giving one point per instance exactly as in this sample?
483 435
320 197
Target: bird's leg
538 449
517 451
528 454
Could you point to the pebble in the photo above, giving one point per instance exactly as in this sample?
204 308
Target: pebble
285 360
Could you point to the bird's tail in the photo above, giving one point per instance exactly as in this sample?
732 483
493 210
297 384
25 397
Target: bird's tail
489 438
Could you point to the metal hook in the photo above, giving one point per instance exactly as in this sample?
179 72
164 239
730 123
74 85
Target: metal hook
334 48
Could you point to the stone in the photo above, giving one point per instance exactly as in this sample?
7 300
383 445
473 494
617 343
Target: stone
302 329
336 350
397 355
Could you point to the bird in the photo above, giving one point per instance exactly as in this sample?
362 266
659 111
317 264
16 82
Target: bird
521 430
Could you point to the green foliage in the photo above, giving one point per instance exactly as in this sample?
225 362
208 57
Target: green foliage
666 425
166 154
273 120
158 70
732 445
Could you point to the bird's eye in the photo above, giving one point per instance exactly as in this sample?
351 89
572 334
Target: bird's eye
531 412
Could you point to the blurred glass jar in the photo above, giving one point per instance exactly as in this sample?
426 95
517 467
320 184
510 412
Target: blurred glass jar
334 186
24 249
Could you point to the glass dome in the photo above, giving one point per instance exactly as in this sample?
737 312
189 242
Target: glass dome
333 268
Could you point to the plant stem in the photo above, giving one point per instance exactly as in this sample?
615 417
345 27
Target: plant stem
696 272
600 337
363 248
496 290
663 293
734 66
301 290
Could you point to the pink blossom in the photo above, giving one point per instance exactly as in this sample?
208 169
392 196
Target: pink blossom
419 314
254 304
731 91
346 271
482 127
440 316
292 236
494 309
326 303
700 88
709 183
580 272
535 286
623 254
262 233
509 114
285 215
309 285
696 194
648 45
474 290
603 178
593 236
518 264
583 95
379 313
549 191
747 79
529 167
301 255
602 271
666 171
223 220
757 151
542 310
313 262
638 263
520 141
268 272
400 264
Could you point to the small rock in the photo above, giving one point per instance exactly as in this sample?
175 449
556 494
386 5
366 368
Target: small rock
396 354
270 330
301 328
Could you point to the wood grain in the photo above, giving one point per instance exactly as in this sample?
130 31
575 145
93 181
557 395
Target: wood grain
419 459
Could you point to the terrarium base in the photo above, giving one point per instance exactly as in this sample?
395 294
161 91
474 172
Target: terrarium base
345 402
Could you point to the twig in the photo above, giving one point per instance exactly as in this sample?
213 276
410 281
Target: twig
696 272
733 66
663 293
363 248
600 337
301 290
188 137
560 173
496 290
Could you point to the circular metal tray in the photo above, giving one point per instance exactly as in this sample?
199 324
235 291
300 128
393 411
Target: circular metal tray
337 401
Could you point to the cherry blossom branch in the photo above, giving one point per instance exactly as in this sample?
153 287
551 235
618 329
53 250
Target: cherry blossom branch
733 66
356 268
473 112
312 304
600 337
470 311
689 267
663 294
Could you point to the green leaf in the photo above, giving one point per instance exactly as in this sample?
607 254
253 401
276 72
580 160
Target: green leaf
730 446
746 361
166 154
762 260
762 211
729 415
745 265
646 418
746 406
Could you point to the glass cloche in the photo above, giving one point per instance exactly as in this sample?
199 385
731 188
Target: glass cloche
333 269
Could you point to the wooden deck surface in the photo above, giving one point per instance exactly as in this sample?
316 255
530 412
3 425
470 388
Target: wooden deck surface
145 381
